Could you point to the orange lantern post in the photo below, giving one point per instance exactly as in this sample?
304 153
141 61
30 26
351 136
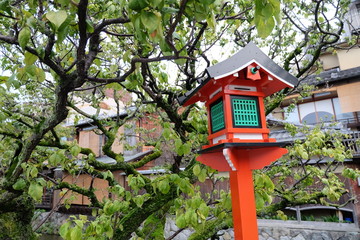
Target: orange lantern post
239 141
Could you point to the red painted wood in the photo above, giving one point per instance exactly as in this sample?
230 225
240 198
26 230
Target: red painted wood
250 75
243 204
215 160
258 157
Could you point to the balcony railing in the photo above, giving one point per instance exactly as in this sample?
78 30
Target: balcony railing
353 143
47 200
351 122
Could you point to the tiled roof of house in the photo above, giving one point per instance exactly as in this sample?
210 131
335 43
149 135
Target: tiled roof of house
137 156
332 75
88 121
284 136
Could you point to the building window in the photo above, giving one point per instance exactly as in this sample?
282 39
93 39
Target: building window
318 111
340 115
292 115
245 111
217 116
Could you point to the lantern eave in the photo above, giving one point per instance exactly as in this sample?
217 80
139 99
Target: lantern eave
249 55
246 56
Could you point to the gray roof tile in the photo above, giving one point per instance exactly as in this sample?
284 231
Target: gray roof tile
332 75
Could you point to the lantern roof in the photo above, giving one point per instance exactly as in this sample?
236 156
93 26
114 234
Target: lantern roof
250 54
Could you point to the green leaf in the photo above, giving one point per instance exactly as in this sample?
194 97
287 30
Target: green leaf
207 2
351 173
5 6
202 176
3 79
35 191
269 185
127 56
41 181
204 210
264 28
115 86
164 186
138 5
20 184
55 159
169 10
259 201
186 148
281 215
196 170
30 58
31 71
276 9
89 26
150 20
139 201
211 21
75 150
110 208
41 52
108 174
200 12
76 233
31 22
304 155
166 133
265 12
40 74
180 61
33 172
57 18
155 3
61 34
194 219
180 221
24 37
109 231
64 2
178 147
64 230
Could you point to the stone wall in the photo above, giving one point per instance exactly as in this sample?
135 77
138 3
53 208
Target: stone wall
293 230
284 230
52 223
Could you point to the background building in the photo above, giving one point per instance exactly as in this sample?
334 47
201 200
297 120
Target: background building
335 98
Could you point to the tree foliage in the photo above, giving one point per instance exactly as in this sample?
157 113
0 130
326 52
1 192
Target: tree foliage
311 173
59 54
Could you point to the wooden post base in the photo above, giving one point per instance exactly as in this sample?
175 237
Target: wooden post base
243 204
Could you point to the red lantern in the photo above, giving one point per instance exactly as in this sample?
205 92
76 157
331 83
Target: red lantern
239 140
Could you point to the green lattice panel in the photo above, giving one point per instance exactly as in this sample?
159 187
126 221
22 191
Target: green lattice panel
217 117
245 112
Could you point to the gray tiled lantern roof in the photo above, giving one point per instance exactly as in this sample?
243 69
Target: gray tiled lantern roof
249 54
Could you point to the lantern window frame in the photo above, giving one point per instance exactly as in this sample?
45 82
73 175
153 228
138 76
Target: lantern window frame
257 111
220 100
